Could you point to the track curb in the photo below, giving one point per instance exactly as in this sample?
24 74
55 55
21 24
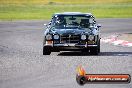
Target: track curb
113 39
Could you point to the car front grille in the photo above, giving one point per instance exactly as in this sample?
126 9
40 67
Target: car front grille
70 39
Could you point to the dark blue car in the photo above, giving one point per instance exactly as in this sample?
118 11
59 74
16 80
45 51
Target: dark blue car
72 31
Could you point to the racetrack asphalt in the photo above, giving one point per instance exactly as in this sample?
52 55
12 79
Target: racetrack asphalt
22 64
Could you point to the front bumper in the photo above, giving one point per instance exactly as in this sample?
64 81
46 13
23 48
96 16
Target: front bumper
74 45
70 46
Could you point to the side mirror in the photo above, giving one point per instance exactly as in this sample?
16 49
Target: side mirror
49 23
45 24
94 22
99 25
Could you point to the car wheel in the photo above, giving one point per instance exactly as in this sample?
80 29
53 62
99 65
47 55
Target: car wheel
46 50
94 51
99 47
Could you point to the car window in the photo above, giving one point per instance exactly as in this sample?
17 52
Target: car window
70 21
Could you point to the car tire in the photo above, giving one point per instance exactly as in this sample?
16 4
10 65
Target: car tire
94 51
99 46
46 50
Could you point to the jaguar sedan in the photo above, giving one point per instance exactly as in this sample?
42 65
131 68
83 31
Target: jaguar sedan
72 31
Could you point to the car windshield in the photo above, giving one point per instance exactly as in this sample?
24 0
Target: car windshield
70 21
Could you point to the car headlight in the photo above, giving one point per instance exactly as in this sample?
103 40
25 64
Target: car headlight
48 37
83 37
56 36
91 37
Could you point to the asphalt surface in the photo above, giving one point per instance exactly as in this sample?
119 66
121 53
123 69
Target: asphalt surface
22 64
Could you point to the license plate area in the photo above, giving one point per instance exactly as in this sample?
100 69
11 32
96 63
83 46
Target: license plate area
69 44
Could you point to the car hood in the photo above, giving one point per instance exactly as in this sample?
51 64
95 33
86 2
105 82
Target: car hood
69 31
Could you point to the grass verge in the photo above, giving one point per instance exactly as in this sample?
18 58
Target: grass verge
34 11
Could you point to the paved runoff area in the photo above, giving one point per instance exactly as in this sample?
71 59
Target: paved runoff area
22 64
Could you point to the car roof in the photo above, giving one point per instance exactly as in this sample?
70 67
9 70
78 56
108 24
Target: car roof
73 13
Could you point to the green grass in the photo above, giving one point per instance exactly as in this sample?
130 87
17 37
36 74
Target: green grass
18 2
45 11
